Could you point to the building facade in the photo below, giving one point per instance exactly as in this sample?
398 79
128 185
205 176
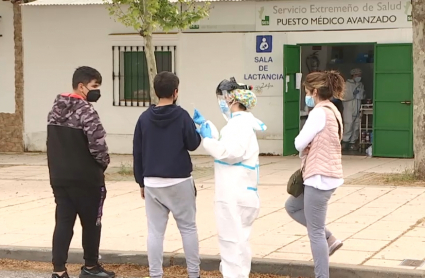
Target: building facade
267 44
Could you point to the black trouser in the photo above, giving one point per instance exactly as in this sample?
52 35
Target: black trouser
70 202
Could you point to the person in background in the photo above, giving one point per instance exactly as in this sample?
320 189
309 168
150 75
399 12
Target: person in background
320 150
339 105
77 157
164 135
235 151
354 94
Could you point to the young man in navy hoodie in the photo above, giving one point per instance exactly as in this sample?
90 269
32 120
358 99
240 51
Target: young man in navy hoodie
162 167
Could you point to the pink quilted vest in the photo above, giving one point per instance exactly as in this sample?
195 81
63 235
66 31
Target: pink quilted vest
324 157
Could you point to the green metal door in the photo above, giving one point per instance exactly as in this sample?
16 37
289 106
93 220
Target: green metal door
393 95
291 98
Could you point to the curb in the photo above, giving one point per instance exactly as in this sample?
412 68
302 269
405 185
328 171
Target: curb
265 266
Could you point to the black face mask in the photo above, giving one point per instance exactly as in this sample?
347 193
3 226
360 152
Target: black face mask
93 95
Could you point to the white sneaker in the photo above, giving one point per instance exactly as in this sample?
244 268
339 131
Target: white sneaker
334 244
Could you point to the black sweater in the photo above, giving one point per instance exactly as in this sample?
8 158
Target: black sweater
162 139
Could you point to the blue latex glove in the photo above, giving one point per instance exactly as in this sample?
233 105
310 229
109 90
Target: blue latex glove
356 91
205 131
198 118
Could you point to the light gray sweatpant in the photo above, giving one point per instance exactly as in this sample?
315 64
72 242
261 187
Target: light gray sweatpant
180 199
309 209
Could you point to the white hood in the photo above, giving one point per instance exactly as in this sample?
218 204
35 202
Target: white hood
257 124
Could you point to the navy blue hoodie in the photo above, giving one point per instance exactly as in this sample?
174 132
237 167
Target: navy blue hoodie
162 139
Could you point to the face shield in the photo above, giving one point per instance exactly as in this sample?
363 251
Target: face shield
225 103
224 96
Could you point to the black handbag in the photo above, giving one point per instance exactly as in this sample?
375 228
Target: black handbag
295 185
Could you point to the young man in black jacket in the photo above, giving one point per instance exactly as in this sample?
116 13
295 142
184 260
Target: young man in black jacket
162 167
77 157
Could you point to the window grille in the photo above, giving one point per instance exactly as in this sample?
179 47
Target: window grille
130 73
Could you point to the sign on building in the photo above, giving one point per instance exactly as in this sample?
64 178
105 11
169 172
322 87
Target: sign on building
332 15
264 63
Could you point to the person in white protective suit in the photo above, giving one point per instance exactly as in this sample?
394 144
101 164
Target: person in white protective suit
354 94
235 151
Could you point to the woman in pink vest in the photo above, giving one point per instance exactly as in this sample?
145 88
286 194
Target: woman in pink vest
319 144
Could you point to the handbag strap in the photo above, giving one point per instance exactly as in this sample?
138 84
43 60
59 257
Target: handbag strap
339 124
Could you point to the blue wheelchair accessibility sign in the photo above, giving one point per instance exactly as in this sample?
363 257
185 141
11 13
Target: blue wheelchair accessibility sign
264 44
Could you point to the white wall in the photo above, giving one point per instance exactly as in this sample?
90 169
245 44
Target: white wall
7 59
53 51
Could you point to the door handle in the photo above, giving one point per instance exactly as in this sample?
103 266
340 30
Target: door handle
287 80
406 102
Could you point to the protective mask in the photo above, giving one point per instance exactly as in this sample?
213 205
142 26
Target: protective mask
225 109
93 95
357 79
223 106
309 101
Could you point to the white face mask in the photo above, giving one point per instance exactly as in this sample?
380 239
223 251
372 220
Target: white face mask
357 79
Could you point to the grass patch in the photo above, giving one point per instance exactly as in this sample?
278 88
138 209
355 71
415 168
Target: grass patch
202 172
126 169
407 176
7 165
125 172
122 173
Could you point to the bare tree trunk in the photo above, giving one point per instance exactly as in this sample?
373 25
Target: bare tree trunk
418 12
151 62
18 136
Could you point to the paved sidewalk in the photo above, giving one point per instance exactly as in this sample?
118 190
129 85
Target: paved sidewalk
380 225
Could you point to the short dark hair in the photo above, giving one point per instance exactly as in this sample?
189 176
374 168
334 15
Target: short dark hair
85 75
165 83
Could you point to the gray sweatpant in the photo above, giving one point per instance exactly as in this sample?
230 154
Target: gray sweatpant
309 209
180 199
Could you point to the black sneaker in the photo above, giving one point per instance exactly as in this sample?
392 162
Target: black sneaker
55 275
97 271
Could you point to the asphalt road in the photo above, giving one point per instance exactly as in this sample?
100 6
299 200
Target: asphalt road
23 274
26 274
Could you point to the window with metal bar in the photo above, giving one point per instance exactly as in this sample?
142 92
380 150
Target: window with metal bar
130 73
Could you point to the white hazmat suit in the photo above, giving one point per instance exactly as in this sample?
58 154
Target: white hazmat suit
237 203
354 93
